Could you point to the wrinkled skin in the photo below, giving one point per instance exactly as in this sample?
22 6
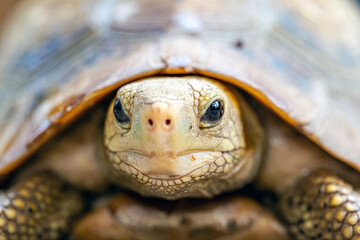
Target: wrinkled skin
168 149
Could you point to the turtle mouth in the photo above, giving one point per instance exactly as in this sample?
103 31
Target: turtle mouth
162 183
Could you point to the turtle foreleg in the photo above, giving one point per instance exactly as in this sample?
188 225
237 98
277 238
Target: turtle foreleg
322 206
39 207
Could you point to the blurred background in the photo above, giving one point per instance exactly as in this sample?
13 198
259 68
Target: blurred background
7 5
5 8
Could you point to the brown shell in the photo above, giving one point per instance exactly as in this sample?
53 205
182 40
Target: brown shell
300 58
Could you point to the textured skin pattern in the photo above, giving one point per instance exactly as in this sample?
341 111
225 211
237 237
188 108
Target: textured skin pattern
40 207
189 157
176 186
323 206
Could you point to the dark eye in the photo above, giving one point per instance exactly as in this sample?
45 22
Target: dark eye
214 112
119 112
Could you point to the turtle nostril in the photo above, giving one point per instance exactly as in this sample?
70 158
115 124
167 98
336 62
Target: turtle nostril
168 122
150 121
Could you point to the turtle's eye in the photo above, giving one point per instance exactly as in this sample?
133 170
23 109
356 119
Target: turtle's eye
119 113
214 112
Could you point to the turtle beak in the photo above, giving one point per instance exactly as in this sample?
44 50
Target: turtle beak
163 127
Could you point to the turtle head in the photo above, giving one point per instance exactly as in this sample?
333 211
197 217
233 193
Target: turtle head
176 137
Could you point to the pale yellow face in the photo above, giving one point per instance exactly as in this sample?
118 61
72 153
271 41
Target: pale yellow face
175 137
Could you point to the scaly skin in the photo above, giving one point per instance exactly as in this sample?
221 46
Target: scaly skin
186 157
39 207
322 206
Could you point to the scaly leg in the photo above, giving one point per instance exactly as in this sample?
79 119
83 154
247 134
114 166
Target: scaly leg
39 207
322 206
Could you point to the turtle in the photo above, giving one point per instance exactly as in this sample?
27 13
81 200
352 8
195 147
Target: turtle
180 120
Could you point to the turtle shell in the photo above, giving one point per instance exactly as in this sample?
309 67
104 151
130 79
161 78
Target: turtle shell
299 58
